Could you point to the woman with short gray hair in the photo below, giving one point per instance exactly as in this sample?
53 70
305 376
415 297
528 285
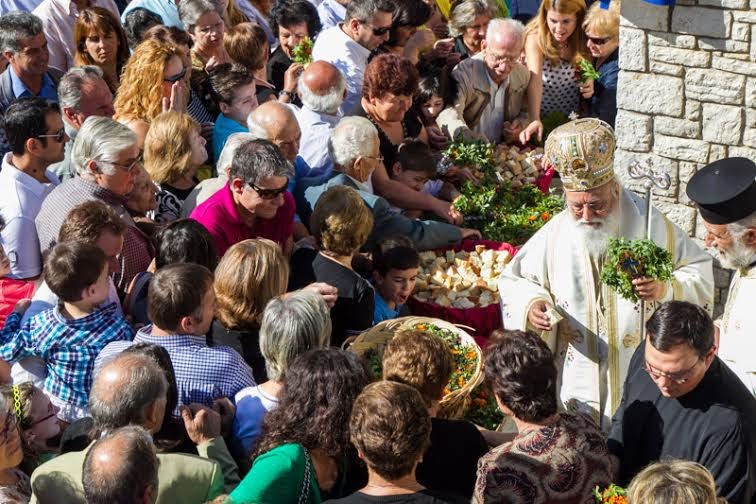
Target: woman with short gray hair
203 20
468 22
291 325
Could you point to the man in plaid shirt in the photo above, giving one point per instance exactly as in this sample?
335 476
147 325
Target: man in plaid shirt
68 337
181 303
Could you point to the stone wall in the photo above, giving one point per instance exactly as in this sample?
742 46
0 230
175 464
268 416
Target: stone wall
687 95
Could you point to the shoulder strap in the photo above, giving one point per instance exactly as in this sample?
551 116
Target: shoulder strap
304 493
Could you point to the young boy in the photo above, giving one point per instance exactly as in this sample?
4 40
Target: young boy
181 304
68 337
415 167
395 267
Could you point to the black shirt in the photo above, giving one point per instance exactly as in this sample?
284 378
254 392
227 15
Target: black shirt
389 150
421 497
277 66
451 463
245 341
714 425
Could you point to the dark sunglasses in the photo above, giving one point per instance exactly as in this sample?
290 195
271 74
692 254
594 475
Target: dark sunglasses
599 41
176 77
58 137
378 32
269 194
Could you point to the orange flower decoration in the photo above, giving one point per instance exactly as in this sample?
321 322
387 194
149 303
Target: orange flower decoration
545 216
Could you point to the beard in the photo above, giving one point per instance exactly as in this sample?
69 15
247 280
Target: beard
596 234
739 256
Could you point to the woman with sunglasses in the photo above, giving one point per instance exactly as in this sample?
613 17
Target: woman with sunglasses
153 81
15 486
37 422
602 34
101 41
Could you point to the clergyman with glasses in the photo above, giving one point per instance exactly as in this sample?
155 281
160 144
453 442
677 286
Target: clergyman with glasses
492 101
682 402
553 283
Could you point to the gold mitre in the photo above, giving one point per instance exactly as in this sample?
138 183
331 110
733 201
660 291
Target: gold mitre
582 151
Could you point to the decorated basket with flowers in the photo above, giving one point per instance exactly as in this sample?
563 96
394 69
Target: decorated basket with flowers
613 494
467 371
627 260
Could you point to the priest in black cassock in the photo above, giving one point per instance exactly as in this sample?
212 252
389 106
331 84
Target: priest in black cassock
681 401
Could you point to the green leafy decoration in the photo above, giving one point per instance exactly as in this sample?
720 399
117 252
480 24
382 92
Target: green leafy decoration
630 259
302 52
587 70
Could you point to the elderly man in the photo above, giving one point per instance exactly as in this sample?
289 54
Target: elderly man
82 93
556 275
121 466
322 89
725 192
348 44
132 390
106 158
682 402
353 147
255 203
492 88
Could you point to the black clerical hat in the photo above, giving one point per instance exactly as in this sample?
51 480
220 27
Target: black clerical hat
725 190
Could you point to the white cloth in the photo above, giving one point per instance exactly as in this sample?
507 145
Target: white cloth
335 47
313 147
492 116
58 21
252 404
21 197
331 13
595 341
737 339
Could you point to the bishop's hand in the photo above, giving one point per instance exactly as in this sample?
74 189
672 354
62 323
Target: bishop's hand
649 289
538 317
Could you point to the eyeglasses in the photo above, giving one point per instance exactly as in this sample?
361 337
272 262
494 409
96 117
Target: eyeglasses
379 158
503 59
57 137
597 207
10 424
176 77
599 41
129 168
679 378
380 31
269 194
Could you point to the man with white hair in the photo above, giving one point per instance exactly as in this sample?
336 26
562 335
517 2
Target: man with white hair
553 284
492 88
725 192
322 89
354 149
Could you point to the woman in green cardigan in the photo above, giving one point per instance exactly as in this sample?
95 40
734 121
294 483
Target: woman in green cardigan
303 453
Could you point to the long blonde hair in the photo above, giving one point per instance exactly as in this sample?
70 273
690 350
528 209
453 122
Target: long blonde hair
540 28
140 95
168 147
251 273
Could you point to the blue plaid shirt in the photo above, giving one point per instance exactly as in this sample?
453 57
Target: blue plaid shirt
203 373
68 347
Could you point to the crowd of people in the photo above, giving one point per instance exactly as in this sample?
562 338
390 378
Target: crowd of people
195 223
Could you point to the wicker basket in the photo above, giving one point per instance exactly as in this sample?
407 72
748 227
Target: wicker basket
454 404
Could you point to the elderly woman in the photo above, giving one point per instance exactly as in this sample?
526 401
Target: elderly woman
247 45
304 448
602 35
291 22
468 22
203 20
106 159
15 486
101 41
142 201
153 81
520 369
291 325
554 41
173 152
390 427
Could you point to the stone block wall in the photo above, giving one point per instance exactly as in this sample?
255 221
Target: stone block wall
687 96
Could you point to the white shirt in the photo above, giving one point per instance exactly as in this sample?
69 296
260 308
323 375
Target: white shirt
58 21
335 47
492 117
21 198
331 13
313 146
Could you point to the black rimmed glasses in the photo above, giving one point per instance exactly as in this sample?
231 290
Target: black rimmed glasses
269 194
177 77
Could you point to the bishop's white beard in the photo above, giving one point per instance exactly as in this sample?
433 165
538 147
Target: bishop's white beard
596 237
739 256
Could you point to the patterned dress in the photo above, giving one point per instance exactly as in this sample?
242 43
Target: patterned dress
18 493
557 464
560 88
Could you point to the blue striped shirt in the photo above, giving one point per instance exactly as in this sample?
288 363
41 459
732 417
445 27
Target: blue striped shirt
68 347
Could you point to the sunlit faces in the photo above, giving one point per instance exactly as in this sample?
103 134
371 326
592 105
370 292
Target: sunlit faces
243 104
600 45
678 370
174 71
732 251
475 33
254 203
97 100
111 245
33 56
143 198
391 107
411 178
44 421
290 36
208 32
374 32
433 107
561 26
288 140
199 152
501 55
52 149
397 286
101 47
126 164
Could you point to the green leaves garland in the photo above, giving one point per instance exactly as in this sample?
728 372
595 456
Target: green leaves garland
630 259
